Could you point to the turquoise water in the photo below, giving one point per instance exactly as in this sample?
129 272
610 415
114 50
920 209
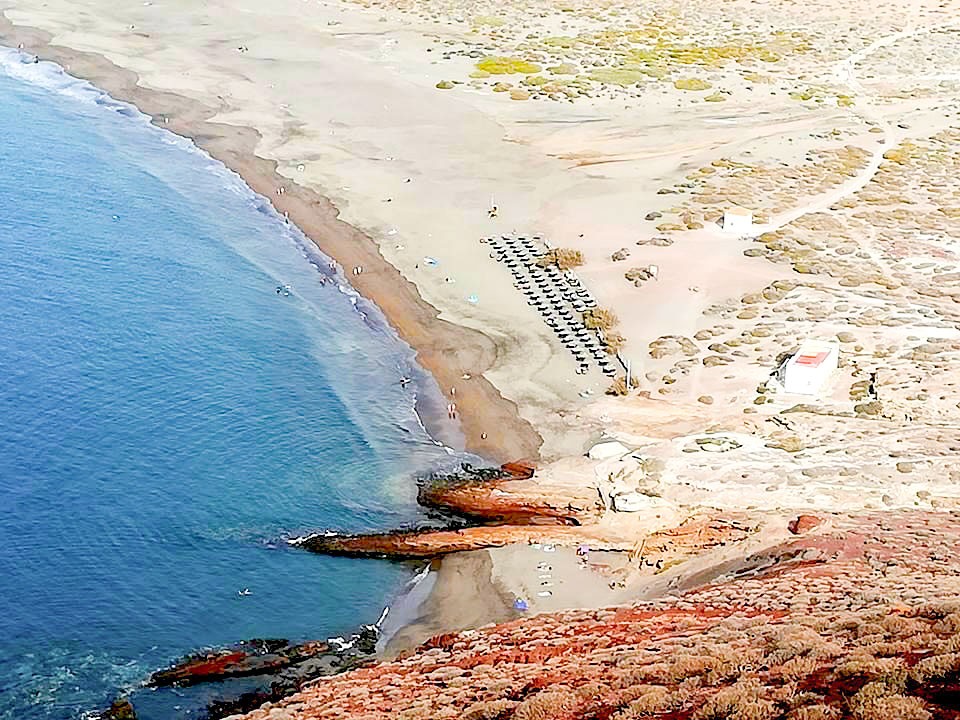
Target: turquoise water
167 418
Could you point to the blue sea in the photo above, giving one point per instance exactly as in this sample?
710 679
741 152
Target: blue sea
167 418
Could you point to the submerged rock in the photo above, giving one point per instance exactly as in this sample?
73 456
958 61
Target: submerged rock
120 709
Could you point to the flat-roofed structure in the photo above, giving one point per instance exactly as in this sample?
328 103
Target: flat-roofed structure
810 368
737 219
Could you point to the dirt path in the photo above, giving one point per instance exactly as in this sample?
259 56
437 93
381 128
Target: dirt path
844 72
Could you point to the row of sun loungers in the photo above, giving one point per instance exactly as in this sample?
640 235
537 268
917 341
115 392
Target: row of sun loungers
559 297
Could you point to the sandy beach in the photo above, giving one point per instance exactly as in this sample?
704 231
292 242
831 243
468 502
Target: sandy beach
402 137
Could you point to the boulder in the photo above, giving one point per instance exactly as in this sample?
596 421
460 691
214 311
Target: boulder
630 502
803 523
120 709
607 450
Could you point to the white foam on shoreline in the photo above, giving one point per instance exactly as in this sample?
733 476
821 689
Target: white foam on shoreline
404 609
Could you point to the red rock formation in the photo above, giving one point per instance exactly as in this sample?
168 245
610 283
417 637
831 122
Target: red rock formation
861 621
519 470
803 523
256 657
671 545
429 544
514 501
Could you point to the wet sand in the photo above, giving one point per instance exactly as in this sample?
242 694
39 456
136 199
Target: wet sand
491 424
464 595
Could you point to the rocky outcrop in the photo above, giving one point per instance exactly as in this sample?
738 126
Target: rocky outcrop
509 506
120 709
423 544
512 501
507 494
283 666
803 523
858 620
253 657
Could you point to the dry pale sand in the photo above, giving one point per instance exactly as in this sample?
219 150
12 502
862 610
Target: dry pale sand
838 125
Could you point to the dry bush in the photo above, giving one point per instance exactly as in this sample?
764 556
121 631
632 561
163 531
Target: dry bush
949 624
793 640
873 705
936 667
868 667
890 649
827 649
899 626
938 610
488 709
655 699
631 689
952 645
799 667
685 666
659 672
600 318
815 712
619 386
614 342
741 701
591 691
867 629
546 705
729 663
563 258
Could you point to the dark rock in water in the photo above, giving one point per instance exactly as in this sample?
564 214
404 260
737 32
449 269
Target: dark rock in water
294 678
120 709
367 639
253 657
286 667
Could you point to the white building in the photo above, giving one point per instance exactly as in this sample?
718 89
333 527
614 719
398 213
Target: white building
737 219
809 370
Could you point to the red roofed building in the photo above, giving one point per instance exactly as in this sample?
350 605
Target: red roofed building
809 370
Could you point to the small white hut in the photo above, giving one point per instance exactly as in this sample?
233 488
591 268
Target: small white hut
809 370
737 219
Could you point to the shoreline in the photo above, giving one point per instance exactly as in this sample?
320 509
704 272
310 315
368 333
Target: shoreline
463 595
491 424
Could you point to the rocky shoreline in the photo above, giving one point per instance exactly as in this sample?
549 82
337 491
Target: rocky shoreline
484 507
284 667
479 506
